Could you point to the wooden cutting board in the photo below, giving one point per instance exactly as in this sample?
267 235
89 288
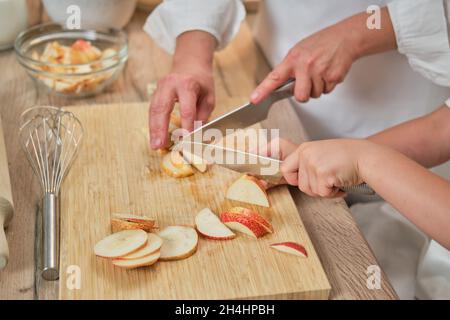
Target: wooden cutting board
115 172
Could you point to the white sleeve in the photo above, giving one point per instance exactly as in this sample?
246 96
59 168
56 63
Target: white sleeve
448 103
221 18
422 32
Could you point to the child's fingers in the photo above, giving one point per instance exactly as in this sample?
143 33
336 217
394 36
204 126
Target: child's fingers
304 180
289 168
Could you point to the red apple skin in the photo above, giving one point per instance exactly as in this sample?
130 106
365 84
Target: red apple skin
257 229
296 246
253 215
216 238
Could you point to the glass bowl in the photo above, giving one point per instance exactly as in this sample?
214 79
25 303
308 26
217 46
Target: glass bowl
65 78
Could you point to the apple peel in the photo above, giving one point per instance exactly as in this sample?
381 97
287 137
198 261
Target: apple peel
122 221
253 215
243 224
291 248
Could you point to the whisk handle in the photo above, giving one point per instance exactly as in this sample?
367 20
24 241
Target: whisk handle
50 237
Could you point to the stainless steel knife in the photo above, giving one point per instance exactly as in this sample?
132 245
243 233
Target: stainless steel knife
248 114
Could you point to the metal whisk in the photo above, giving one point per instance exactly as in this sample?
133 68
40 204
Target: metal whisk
50 138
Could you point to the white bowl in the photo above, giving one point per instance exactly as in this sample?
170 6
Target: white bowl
94 14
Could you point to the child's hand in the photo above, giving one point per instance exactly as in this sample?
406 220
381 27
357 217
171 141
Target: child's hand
320 168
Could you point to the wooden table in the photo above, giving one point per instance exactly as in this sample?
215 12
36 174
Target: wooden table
341 247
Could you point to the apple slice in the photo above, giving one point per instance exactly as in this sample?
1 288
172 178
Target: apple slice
145 261
179 242
209 226
195 160
153 244
253 215
243 224
162 151
121 243
177 160
169 168
291 248
250 190
120 221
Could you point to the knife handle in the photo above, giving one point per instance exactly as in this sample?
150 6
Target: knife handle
287 86
361 189
286 90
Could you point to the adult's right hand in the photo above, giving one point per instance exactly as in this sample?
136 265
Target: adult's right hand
190 83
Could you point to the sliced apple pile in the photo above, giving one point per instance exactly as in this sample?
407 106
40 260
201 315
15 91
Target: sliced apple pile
121 243
247 222
144 261
130 249
175 166
210 226
249 189
143 257
153 245
179 242
290 248
120 221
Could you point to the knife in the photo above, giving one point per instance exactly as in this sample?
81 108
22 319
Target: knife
248 114
262 167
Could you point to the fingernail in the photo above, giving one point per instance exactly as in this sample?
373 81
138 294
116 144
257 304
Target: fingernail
156 143
254 96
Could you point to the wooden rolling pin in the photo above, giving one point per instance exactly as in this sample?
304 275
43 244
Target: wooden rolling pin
6 204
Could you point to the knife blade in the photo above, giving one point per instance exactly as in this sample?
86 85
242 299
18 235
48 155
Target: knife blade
262 167
244 162
246 115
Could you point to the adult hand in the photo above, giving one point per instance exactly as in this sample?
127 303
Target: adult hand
190 83
322 60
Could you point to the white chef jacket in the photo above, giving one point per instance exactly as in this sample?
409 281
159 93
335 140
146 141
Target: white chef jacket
380 90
